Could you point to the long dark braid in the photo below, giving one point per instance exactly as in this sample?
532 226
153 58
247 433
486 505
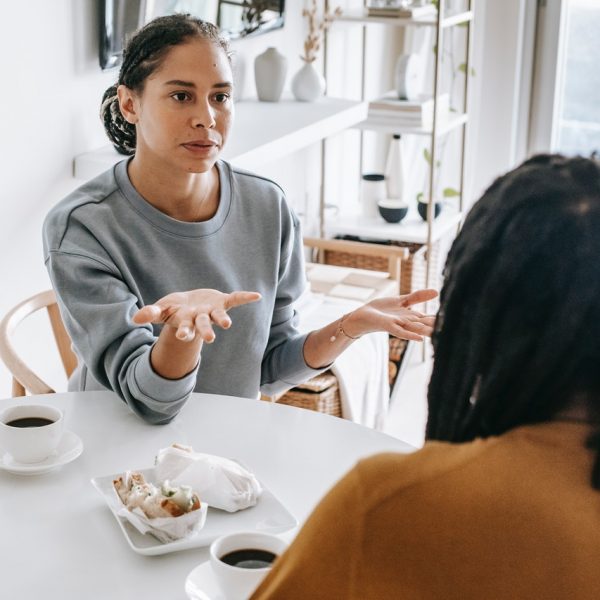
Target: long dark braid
518 333
141 57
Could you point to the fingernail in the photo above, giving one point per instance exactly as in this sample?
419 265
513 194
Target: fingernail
183 333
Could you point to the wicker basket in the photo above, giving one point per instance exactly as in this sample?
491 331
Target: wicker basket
413 269
321 393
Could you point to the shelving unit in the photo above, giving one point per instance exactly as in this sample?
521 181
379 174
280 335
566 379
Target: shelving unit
390 125
413 230
449 20
292 126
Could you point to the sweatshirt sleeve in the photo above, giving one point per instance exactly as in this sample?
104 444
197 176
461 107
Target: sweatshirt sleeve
283 365
97 306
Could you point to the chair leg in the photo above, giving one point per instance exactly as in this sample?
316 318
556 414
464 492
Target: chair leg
17 389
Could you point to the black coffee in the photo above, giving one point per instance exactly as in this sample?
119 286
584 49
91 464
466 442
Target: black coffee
250 558
30 422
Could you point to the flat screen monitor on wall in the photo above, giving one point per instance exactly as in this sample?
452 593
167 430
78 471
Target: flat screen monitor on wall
235 18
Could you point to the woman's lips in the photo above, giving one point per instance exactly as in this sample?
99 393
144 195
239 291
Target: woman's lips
200 148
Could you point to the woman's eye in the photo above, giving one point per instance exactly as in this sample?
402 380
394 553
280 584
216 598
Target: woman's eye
221 97
180 96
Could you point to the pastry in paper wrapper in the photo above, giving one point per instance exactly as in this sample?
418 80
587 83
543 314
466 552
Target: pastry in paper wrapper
159 511
220 482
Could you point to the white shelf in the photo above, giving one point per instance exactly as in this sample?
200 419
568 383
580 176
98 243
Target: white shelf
411 229
391 125
262 132
451 19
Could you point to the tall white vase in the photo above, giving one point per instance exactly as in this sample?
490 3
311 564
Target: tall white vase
270 69
308 84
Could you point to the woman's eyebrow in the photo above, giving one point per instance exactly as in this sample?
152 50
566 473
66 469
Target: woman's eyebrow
190 84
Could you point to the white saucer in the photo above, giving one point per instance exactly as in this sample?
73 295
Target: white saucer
202 585
69 448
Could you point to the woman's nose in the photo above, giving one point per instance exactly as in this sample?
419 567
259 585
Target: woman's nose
203 117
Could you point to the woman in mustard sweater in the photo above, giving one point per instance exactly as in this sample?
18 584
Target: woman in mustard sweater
503 501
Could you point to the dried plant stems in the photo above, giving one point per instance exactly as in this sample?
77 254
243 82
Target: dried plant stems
316 30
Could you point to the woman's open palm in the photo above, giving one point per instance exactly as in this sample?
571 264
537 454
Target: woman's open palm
195 312
396 316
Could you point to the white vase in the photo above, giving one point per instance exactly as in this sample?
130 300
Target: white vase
270 69
308 84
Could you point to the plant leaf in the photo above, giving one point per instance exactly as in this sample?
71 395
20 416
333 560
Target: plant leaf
427 156
462 67
420 196
450 193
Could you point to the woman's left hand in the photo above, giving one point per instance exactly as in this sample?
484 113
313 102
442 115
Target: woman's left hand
393 315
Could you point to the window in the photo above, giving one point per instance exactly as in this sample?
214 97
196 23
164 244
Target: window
579 99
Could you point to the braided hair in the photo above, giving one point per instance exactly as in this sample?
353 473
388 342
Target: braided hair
141 57
517 337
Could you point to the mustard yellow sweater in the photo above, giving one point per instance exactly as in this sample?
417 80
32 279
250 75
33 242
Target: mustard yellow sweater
510 517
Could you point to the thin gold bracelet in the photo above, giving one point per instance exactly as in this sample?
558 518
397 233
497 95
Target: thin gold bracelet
340 329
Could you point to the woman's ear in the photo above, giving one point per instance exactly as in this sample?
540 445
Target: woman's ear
128 104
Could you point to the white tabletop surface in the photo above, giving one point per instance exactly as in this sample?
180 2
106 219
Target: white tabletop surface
58 539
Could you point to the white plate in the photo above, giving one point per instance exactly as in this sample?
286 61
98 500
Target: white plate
201 584
268 515
69 448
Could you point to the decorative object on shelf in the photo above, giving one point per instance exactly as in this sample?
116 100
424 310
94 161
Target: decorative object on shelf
406 76
422 205
393 211
410 113
394 170
308 84
400 9
270 69
371 192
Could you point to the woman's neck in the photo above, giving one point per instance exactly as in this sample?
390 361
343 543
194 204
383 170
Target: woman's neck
189 197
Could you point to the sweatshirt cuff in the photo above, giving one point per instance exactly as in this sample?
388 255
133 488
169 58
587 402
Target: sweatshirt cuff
292 368
154 388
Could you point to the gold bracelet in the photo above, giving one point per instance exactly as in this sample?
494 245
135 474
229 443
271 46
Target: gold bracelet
340 329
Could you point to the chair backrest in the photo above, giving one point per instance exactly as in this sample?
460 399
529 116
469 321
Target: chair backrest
24 379
394 254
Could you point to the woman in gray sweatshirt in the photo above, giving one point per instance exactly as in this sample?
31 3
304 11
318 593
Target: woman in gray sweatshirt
149 256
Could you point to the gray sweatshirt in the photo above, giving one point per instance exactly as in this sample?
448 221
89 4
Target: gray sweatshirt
109 252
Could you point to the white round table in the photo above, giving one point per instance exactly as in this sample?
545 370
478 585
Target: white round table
58 538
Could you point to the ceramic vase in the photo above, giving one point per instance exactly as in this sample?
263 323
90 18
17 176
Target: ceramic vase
308 84
270 69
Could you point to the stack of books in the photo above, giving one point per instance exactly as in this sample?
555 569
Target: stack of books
409 113
398 9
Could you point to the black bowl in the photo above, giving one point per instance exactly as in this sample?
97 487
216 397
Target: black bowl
392 212
422 208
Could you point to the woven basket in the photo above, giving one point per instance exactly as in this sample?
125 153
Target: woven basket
321 393
413 269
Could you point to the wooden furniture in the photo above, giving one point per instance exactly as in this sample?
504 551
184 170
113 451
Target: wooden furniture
24 379
390 256
59 540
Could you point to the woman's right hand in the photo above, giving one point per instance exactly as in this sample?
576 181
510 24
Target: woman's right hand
195 312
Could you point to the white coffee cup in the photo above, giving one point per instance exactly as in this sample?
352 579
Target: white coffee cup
237 582
30 444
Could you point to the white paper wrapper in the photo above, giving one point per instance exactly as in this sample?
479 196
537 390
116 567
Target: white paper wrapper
220 482
166 529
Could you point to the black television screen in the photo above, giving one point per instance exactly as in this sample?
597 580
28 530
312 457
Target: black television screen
235 18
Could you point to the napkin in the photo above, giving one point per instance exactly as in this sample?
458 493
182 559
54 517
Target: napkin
220 482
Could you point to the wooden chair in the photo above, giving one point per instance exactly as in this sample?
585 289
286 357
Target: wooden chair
394 254
24 379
